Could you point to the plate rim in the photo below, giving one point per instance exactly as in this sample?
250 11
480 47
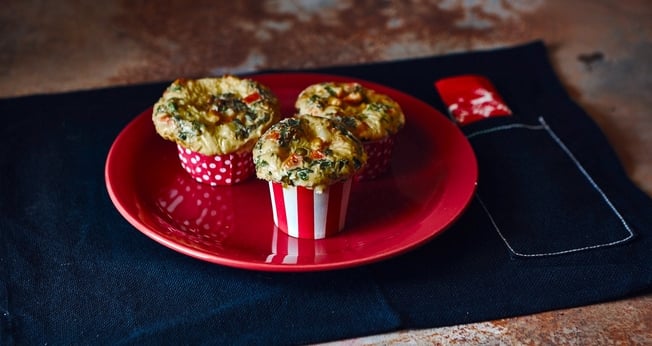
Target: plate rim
282 267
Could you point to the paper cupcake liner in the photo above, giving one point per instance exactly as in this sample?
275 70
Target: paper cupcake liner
303 213
216 170
379 157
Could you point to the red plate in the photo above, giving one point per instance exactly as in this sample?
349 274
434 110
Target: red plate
431 181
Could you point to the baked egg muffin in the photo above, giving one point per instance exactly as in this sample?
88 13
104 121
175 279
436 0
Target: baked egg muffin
308 151
215 116
373 117
367 114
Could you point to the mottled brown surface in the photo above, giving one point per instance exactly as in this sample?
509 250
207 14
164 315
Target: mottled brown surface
627 322
602 51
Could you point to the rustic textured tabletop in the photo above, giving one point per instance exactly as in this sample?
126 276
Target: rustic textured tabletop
601 50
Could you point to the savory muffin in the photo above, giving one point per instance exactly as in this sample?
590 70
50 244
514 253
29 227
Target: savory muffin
309 163
369 115
215 123
215 116
308 151
372 117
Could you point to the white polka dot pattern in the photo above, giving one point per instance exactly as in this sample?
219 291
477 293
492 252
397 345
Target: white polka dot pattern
204 217
379 157
216 170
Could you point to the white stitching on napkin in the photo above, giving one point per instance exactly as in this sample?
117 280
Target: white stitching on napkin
505 127
560 143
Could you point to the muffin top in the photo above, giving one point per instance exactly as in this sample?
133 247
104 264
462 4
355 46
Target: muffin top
312 152
215 116
366 113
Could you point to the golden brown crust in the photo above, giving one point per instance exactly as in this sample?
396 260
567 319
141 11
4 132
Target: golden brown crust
215 116
368 114
308 151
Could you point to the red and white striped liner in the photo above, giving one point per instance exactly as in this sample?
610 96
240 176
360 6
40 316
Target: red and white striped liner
227 169
302 213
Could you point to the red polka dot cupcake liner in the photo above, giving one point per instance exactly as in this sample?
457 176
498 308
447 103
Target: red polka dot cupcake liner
303 213
227 169
379 157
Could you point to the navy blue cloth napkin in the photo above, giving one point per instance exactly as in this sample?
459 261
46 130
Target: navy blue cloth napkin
555 223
